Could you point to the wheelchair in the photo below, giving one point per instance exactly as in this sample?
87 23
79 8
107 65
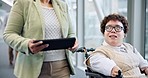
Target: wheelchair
88 71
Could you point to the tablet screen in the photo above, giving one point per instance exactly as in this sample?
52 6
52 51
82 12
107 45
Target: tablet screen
55 44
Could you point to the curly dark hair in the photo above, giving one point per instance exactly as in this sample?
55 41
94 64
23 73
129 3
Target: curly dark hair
115 17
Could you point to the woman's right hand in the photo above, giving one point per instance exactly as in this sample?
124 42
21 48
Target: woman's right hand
114 71
35 47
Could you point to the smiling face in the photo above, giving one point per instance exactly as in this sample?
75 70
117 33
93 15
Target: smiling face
114 37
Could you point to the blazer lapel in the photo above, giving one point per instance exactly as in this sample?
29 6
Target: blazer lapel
38 5
61 14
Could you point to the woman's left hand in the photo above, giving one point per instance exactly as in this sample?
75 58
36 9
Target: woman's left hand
146 70
74 48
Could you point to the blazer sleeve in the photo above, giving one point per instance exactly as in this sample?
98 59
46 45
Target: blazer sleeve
14 28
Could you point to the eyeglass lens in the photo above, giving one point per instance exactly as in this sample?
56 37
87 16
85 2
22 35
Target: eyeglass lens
117 28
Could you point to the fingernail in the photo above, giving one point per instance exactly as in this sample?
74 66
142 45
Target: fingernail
47 45
41 41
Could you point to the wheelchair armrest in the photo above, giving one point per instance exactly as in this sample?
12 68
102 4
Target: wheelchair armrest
95 74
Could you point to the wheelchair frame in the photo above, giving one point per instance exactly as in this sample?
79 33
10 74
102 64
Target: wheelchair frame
91 73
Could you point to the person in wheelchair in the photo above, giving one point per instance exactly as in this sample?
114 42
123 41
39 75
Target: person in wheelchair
114 54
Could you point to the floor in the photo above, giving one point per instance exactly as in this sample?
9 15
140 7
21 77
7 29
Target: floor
6 71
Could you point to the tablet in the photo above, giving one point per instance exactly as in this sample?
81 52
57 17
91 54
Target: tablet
55 44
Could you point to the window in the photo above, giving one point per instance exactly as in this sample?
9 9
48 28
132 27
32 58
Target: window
146 34
92 37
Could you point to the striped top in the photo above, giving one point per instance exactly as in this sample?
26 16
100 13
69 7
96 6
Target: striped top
52 31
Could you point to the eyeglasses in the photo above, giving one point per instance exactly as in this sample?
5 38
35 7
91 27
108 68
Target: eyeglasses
117 28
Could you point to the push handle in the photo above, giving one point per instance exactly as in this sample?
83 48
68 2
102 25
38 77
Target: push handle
91 49
84 50
81 49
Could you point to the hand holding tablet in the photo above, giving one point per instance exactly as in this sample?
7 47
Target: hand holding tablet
55 44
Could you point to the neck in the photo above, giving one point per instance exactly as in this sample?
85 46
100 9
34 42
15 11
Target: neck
115 44
46 3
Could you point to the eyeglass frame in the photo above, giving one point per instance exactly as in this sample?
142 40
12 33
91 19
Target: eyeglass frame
116 28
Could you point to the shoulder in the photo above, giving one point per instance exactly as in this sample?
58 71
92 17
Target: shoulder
103 49
128 45
20 1
23 2
63 5
20 5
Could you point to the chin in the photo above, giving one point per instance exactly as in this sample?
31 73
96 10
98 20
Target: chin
113 43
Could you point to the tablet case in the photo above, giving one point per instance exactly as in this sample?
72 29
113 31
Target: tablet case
55 44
